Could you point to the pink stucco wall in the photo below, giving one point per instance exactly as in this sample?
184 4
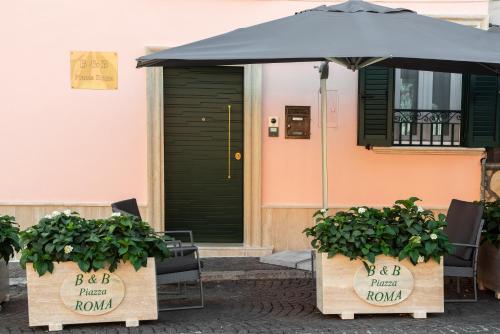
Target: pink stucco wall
292 168
84 146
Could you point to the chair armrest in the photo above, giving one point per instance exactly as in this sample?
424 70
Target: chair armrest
184 250
173 243
464 245
190 233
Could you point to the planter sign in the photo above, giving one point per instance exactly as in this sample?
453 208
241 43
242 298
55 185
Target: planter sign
70 296
92 293
346 288
384 283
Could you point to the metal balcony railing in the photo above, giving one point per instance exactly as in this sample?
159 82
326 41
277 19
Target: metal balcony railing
426 127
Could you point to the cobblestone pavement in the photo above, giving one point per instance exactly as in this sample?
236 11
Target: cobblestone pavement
274 306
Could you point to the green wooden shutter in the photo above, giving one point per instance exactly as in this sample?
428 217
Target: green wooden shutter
482 111
375 106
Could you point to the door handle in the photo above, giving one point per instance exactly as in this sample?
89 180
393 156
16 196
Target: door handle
228 141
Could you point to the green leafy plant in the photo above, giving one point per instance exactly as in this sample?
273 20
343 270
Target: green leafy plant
403 231
92 244
9 238
491 228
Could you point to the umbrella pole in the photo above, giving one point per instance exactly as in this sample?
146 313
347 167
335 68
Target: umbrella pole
324 144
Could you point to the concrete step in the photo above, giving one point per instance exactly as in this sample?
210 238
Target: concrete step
291 259
214 269
235 275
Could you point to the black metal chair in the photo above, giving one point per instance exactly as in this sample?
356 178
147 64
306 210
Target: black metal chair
183 266
464 232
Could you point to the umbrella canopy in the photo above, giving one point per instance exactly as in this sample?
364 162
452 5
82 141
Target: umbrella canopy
354 34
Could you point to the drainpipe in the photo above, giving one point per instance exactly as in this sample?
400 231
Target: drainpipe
323 70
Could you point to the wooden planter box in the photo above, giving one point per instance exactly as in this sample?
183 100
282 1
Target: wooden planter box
344 287
488 268
69 296
4 282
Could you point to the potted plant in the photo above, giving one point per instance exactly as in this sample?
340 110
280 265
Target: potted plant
83 271
380 261
9 244
488 271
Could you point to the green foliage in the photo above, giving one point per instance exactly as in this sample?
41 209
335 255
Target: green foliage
491 228
9 238
402 231
92 244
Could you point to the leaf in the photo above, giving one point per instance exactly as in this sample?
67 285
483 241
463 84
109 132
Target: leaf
371 257
49 247
84 266
430 247
98 264
414 255
94 238
41 268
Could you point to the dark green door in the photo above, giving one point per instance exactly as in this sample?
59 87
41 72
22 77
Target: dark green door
203 124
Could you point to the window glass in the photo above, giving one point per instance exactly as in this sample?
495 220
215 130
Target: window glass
408 89
422 90
441 91
427 108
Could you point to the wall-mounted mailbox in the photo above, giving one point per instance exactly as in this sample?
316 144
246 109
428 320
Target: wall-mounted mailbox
298 122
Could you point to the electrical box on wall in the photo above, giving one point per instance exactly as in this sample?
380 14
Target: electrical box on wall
273 126
298 122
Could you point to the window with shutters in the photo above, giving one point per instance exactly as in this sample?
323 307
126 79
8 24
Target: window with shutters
427 108
401 107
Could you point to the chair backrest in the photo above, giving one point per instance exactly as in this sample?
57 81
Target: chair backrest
464 225
127 206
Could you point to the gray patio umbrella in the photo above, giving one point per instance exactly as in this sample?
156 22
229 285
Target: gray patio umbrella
354 34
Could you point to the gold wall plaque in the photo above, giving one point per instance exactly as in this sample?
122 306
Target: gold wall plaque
92 293
94 70
384 283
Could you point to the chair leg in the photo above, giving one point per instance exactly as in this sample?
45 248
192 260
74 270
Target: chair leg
471 300
188 307
201 294
475 287
312 270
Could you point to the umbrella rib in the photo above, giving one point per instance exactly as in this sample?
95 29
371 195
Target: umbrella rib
337 61
372 61
494 70
357 65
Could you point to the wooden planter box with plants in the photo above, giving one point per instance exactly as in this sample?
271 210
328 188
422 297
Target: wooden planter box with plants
488 265
380 261
9 243
90 271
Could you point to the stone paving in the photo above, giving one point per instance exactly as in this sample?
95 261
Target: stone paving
273 306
